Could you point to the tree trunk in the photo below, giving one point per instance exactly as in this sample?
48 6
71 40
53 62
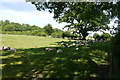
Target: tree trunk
115 69
84 37
84 34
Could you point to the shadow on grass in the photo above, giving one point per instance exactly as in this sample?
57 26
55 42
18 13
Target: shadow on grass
39 63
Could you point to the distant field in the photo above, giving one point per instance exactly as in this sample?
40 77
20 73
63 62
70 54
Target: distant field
26 41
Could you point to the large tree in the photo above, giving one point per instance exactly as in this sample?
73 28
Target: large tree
81 17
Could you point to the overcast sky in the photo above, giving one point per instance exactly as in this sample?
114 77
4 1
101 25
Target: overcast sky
24 12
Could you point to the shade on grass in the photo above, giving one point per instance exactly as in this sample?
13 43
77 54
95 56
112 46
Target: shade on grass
39 63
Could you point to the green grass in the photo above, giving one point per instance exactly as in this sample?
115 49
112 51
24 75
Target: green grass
25 41
33 61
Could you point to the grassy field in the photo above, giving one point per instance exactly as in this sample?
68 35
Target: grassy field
32 61
25 41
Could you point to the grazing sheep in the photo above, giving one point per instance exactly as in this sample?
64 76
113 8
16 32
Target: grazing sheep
5 48
46 49
76 45
77 48
59 51
11 49
64 45
77 41
49 49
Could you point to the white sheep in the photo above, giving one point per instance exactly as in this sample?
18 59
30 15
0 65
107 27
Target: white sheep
49 49
59 51
76 45
77 48
5 48
64 45
12 49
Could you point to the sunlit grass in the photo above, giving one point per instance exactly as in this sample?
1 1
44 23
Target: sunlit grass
26 41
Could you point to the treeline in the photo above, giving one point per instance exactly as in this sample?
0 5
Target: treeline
8 27
103 37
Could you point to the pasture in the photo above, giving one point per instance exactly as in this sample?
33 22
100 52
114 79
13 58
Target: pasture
31 61
26 41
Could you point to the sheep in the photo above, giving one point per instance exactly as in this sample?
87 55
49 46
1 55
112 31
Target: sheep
77 48
64 45
59 51
49 49
12 49
9 49
76 45
77 41
5 48
46 49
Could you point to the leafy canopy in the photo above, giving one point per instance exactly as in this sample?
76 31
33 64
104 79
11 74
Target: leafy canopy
81 17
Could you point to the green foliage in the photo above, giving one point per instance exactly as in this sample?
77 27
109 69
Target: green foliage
57 30
41 34
8 27
57 34
96 36
106 36
69 33
48 29
82 17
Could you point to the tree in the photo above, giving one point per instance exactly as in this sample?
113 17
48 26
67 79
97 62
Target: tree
57 34
6 22
96 36
82 17
9 27
57 30
48 29
105 36
115 50
113 11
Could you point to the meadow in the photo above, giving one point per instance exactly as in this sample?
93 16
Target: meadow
27 41
32 61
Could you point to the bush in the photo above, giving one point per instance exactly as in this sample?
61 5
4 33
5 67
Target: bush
41 34
57 35
96 36
105 36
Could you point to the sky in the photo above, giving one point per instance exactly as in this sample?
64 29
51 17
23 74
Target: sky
21 12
